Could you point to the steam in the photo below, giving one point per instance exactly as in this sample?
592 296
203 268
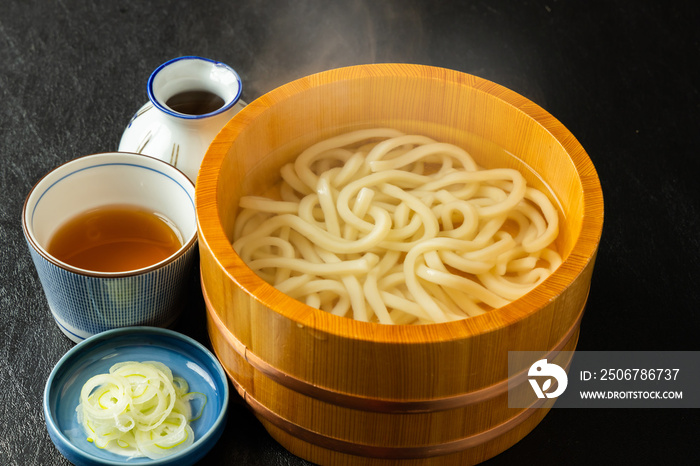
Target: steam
343 34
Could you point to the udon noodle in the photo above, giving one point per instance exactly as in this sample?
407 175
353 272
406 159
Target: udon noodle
387 227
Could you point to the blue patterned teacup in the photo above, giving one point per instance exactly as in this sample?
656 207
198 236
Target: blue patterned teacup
85 302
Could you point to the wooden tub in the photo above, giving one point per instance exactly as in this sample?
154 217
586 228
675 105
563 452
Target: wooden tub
337 391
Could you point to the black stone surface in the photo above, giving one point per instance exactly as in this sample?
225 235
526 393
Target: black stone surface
621 75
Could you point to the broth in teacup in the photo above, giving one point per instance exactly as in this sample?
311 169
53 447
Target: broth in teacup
115 238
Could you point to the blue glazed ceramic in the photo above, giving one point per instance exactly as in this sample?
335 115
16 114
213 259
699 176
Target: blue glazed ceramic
181 139
185 357
84 302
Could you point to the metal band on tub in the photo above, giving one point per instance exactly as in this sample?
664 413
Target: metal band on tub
387 406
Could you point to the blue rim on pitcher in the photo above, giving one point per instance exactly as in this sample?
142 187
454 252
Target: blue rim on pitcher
220 75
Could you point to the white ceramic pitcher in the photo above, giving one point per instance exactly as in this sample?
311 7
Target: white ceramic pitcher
190 99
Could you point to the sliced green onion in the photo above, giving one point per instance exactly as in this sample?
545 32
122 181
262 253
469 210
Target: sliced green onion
138 409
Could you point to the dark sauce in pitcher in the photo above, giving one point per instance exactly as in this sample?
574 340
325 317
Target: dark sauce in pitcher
195 102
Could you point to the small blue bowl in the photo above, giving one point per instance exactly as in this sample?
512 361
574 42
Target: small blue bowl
185 357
